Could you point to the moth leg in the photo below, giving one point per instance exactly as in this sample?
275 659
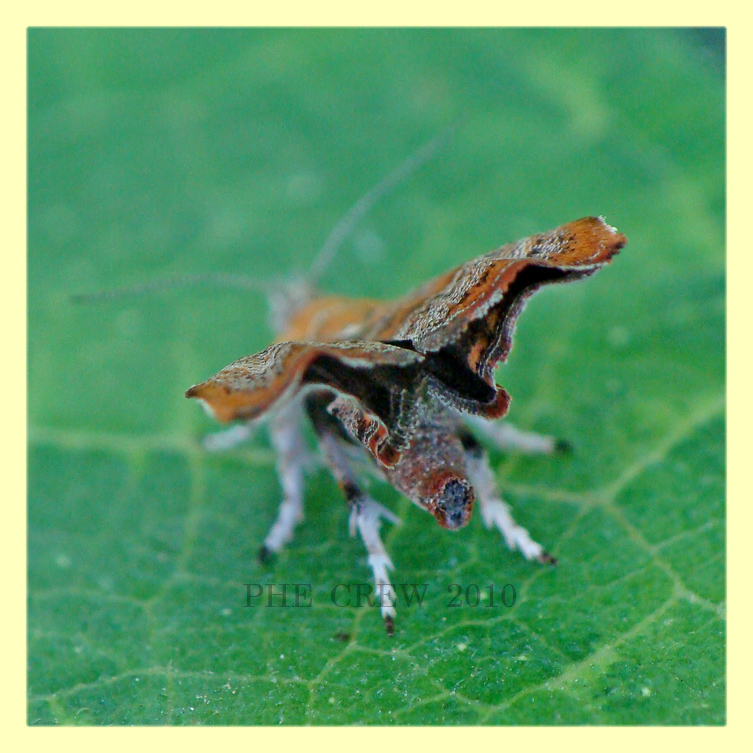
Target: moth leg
365 513
288 443
494 512
366 516
219 441
505 436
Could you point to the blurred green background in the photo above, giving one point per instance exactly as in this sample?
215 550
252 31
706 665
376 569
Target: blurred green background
162 152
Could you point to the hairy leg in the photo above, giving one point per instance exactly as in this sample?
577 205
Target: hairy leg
365 513
227 439
505 436
287 440
494 512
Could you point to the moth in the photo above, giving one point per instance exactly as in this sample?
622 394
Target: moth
407 385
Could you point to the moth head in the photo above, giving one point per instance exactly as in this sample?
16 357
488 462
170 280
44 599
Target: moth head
450 499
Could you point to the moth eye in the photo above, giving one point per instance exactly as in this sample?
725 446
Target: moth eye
452 508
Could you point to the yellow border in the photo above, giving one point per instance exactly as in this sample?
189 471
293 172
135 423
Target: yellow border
386 13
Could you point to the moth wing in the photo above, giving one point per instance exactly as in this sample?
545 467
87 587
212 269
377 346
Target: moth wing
367 377
464 320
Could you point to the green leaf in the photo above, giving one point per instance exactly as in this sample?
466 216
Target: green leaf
162 152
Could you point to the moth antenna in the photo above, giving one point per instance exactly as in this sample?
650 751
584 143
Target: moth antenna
181 281
359 210
323 259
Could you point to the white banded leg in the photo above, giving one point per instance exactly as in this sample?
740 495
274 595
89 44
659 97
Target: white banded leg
366 516
219 441
505 436
288 443
494 512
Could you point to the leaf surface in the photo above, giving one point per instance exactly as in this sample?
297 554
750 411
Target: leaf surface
164 152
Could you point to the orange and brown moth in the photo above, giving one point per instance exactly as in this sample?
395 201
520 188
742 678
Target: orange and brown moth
405 383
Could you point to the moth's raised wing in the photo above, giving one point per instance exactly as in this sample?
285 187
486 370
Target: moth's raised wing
464 319
368 380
